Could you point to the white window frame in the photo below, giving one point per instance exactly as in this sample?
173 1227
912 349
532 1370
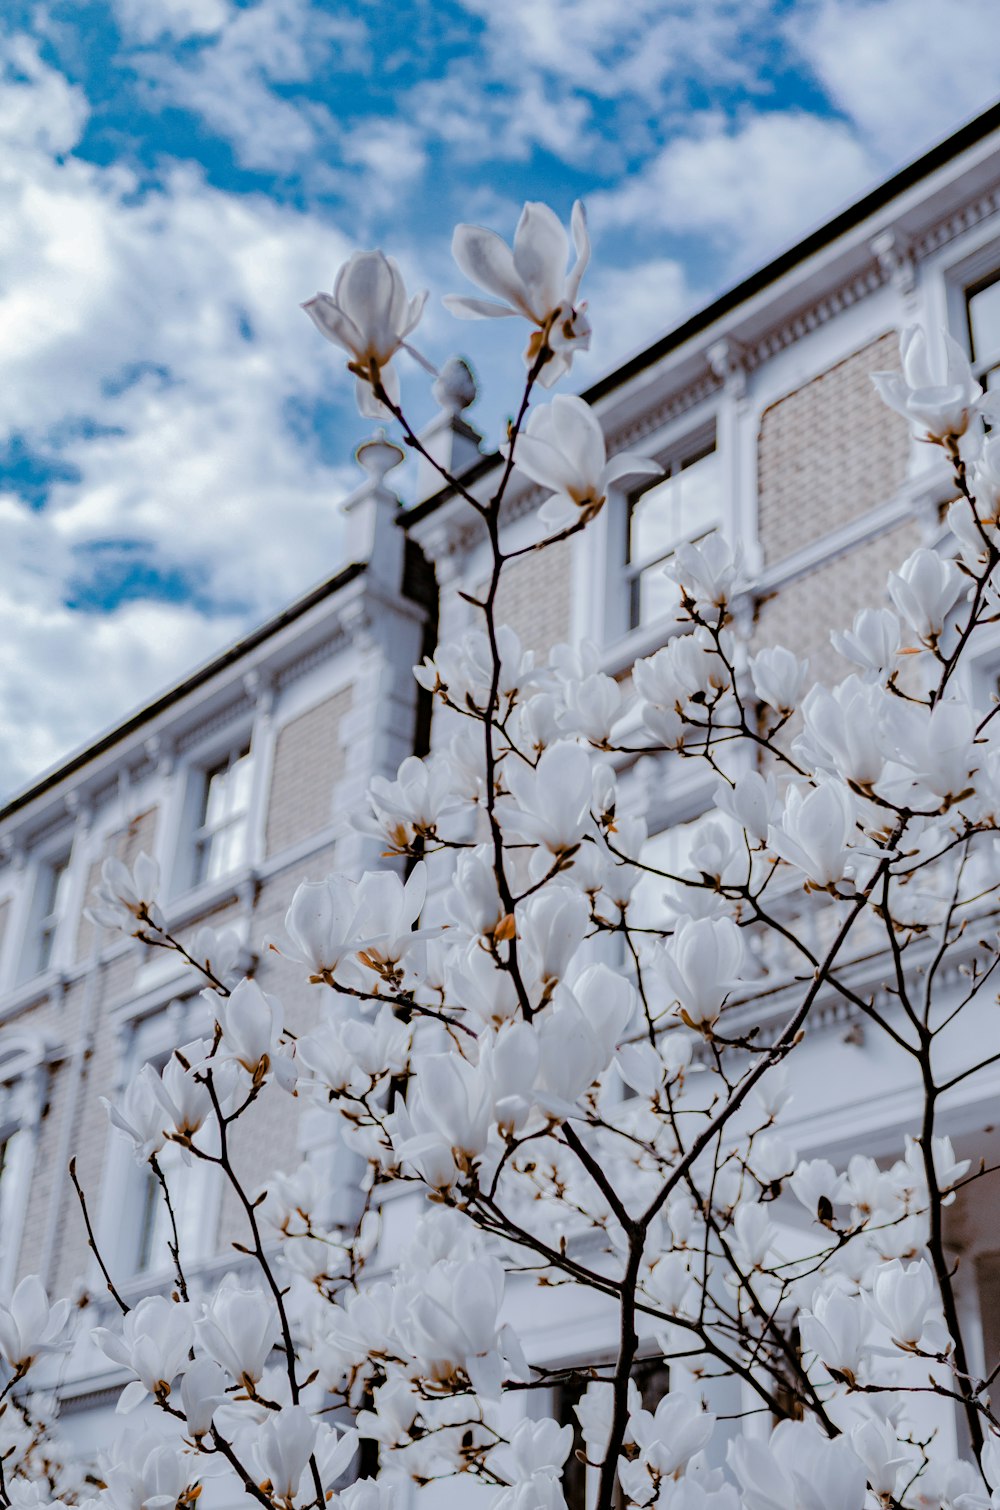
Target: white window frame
43 941
676 461
186 821
24 1073
975 266
601 586
208 832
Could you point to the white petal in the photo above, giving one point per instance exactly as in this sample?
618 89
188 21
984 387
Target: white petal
540 252
488 261
475 309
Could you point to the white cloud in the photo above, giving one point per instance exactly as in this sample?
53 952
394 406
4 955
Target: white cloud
152 341
611 50
629 308
234 75
151 20
905 71
39 108
752 188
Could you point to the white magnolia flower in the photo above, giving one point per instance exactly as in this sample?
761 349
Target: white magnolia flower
474 901
154 1341
238 1329
815 832
183 1096
937 745
843 730
562 447
250 1022
452 1320
871 643
450 1101
814 1181
938 398
706 571
799 1469
539 1447
530 280
127 898
411 806
203 1390
140 1115
552 924
925 590
320 923
836 1330
902 1297
668 1438
282 1448
29 1326
369 315
549 804
146 1474
877 1445
752 801
367 1494
701 964
388 909
778 678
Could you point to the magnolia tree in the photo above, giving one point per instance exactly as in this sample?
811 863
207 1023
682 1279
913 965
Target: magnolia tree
579 1091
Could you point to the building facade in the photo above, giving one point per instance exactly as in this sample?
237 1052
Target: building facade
241 780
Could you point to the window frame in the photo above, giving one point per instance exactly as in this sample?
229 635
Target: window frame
983 364
45 926
48 922
685 452
184 824
207 832
24 1075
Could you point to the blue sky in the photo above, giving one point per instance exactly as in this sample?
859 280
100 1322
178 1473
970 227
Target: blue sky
177 175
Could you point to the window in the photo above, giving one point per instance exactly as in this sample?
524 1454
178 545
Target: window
51 897
13 1153
223 831
685 505
982 303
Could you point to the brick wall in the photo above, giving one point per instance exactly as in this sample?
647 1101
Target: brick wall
829 452
534 597
802 614
308 762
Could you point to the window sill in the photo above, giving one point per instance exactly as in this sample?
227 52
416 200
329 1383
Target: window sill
32 992
620 655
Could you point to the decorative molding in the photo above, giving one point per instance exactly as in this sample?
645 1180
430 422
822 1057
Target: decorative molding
951 226
727 359
894 255
666 409
206 727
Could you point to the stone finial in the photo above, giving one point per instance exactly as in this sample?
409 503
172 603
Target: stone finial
455 387
378 456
